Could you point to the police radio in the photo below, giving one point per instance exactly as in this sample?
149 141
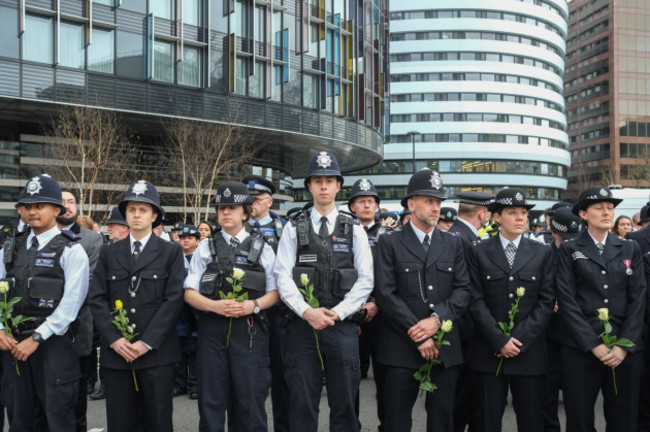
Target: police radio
8 247
302 228
256 248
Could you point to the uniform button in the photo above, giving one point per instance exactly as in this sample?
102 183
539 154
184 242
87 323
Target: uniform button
533 277
431 306
603 272
155 276
134 278
132 310
113 278
511 278
605 286
606 301
133 326
430 288
511 295
487 277
406 270
449 269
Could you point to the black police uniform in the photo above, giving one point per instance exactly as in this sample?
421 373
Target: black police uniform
587 281
150 288
495 284
642 237
411 285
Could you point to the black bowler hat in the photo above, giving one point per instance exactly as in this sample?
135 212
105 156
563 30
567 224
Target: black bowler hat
424 182
146 192
510 197
593 195
363 187
177 226
258 185
323 164
42 189
189 230
448 214
475 198
644 214
115 217
566 224
232 193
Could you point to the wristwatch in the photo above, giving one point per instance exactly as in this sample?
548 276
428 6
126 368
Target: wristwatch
37 337
257 308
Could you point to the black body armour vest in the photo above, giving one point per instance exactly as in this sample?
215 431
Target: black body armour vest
271 231
246 257
38 278
329 263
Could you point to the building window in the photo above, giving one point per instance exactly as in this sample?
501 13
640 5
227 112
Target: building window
310 92
162 9
101 52
163 64
38 43
189 70
71 46
130 58
9 32
192 12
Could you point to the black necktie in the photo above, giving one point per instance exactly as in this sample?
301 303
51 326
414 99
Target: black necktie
34 244
136 250
425 244
323 232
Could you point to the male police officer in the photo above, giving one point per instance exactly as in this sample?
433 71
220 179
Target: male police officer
49 271
333 252
116 225
364 202
421 280
271 226
448 216
146 274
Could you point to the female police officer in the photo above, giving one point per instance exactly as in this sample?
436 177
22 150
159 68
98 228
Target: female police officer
233 359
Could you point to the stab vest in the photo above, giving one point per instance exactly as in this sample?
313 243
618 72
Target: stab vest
271 231
38 279
329 263
246 257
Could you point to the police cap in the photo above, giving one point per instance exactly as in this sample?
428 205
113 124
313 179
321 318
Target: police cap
258 185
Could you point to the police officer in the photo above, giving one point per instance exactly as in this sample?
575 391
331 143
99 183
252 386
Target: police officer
175 231
448 216
146 274
421 280
564 226
499 267
48 269
333 251
15 225
233 344
642 236
364 203
271 226
116 225
473 213
598 270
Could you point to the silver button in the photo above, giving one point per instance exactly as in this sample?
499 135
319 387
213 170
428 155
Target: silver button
430 288
156 276
606 301
113 278
603 272
488 277
134 278
605 286
132 310
431 306
449 269
511 295
133 326
511 278
406 270
533 277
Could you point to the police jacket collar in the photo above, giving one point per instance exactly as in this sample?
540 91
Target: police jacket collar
414 245
586 245
241 236
498 256
44 237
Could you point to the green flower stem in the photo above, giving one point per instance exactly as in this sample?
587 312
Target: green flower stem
322 365
229 330
614 378
135 381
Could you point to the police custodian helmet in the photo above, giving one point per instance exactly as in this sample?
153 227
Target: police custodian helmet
323 164
424 182
146 192
363 187
42 189
115 217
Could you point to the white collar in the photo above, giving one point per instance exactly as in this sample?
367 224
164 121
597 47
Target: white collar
505 241
419 233
44 237
143 241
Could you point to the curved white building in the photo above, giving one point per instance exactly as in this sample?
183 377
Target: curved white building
476 93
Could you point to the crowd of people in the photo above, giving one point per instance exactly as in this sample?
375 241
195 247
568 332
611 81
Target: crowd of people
463 305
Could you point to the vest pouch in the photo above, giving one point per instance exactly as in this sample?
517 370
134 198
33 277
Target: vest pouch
254 281
45 289
311 273
343 280
211 283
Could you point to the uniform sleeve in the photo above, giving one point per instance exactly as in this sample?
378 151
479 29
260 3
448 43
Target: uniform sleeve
267 259
362 288
283 271
200 260
74 262
632 328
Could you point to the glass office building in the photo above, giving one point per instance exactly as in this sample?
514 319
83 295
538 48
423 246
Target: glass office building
476 94
309 74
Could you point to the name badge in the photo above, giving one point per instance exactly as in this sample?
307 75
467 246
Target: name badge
44 262
240 260
341 247
268 232
307 258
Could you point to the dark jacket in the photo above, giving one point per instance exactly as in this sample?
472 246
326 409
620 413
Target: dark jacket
154 309
495 285
408 284
587 281
642 237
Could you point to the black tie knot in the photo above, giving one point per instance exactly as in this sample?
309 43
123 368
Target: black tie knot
234 242
35 243
425 243
323 232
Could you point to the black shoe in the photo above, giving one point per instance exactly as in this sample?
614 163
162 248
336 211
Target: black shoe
90 388
98 395
178 392
194 395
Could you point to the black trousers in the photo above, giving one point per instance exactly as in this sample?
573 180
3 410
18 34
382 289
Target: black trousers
402 393
48 383
527 400
584 376
339 345
185 374
147 410
240 371
368 342
553 386
279 389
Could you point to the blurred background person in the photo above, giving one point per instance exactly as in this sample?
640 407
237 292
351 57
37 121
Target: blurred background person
622 226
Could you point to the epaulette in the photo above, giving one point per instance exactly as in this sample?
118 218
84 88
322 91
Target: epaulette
70 235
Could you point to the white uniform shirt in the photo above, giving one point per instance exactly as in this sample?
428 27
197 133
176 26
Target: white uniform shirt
286 261
74 262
